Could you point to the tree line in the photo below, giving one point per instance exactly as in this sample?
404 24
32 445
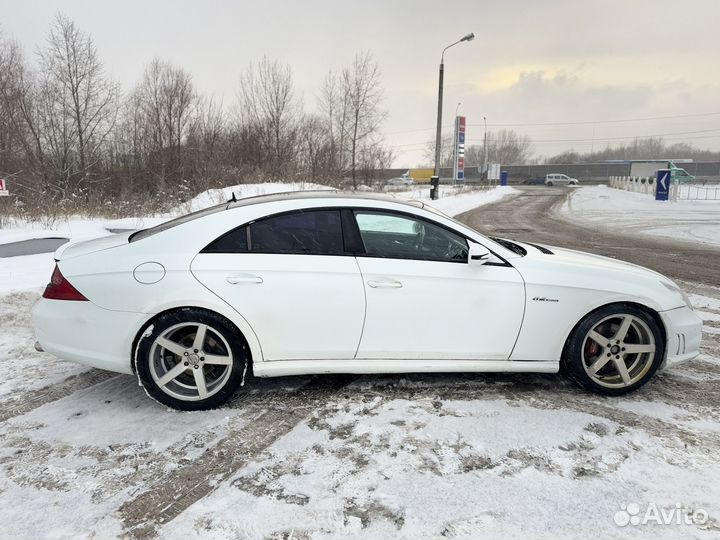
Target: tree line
644 148
508 147
71 139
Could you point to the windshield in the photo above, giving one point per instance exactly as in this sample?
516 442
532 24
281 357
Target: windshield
144 233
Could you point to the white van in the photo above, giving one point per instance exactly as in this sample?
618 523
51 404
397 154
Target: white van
560 180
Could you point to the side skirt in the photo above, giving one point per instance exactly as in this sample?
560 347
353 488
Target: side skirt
315 367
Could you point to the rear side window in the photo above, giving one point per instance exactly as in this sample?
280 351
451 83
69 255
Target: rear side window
233 242
311 232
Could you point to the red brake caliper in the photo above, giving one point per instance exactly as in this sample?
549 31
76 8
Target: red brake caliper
592 349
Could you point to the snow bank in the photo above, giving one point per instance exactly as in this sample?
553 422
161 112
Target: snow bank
458 201
636 213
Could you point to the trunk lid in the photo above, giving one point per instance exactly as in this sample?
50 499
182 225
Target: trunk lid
83 247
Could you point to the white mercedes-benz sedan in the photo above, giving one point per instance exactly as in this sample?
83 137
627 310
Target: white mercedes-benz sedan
326 282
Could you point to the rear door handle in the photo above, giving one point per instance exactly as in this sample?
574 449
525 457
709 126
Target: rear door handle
235 279
384 284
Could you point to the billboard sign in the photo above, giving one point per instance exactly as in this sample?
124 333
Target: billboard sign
459 149
3 188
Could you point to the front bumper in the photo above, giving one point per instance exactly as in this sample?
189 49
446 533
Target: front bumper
85 333
684 332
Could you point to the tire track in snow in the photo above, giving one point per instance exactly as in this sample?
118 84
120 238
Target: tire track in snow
271 416
32 400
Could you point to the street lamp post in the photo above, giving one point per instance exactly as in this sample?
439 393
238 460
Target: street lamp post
438 134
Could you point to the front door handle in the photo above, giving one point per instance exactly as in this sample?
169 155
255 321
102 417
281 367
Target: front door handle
384 284
235 279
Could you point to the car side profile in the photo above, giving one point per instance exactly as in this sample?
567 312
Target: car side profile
326 282
560 180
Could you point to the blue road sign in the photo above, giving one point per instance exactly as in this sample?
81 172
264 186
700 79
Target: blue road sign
662 188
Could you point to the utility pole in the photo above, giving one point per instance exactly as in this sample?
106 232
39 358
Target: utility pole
438 133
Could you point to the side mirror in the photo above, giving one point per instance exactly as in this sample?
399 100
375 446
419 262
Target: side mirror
477 253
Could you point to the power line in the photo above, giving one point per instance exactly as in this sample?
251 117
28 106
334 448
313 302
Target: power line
578 123
598 139
618 121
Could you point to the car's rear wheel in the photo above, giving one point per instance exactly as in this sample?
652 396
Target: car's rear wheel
614 350
191 359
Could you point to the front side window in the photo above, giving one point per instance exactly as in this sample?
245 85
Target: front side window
310 232
398 236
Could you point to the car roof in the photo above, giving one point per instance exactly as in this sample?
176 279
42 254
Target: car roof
323 194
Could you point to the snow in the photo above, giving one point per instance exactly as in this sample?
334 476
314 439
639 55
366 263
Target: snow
637 213
485 468
455 201
32 271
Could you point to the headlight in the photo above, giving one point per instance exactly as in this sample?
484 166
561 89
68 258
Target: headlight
671 286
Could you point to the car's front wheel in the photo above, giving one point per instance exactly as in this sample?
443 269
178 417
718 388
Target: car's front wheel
549 184
191 359
614 350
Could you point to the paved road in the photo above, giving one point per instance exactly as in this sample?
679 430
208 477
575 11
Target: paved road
31 247
530 216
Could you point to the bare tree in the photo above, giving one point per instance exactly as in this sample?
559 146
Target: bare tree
446 151
333 105
15 141
505 146
363 95
268 102
164 106
79 103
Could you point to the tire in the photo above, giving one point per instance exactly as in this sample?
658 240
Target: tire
549 184
191 372
598 348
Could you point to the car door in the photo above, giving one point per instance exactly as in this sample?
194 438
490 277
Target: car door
288 275
424 300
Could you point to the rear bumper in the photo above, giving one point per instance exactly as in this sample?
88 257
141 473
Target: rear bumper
684 332
85 333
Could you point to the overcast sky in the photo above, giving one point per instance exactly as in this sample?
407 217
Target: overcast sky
532 62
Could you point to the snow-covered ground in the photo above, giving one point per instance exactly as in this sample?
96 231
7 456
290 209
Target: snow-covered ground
637 213
24 272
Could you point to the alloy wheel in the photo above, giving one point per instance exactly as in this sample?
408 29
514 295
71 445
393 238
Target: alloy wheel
190 361
618 351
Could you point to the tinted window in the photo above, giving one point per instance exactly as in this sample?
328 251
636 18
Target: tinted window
403 237
314 232
233 242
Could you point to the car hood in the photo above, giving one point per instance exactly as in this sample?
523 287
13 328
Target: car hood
76 249
582 258
576 270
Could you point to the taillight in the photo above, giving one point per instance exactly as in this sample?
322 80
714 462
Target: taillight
60 288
